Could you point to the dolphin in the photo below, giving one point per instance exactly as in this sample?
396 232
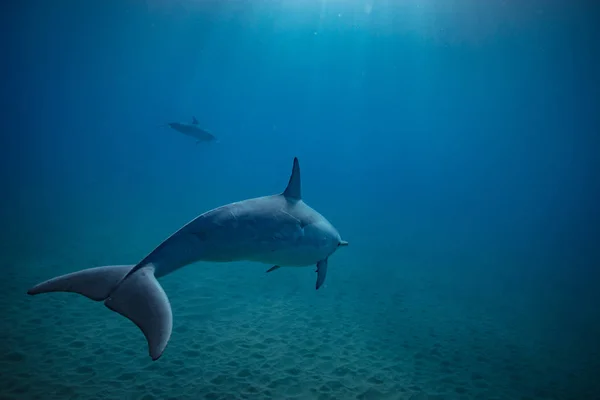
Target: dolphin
193 129
280 230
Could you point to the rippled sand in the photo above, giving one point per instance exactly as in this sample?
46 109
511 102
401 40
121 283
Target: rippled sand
242 334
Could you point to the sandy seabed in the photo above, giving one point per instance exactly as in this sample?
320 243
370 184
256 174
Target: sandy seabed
242 334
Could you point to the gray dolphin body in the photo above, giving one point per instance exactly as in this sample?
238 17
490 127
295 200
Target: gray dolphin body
193 130
280 229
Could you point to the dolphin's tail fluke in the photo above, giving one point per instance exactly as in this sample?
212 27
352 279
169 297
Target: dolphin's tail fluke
139 298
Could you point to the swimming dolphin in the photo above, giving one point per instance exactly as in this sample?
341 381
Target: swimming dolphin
280 230
193 130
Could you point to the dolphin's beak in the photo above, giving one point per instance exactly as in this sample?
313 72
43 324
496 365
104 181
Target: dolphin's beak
343 243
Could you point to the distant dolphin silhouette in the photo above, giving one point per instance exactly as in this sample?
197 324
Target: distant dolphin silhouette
193 130
279 229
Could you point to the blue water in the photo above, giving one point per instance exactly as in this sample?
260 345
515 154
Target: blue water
453 144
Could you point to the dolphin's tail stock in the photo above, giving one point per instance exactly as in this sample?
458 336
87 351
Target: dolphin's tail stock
139 297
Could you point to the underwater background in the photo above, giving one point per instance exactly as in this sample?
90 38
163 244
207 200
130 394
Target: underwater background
454 144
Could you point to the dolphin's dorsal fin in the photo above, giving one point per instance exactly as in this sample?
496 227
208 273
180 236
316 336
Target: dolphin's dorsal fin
293 191
194 121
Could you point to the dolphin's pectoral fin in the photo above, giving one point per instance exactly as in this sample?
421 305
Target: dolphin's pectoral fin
273 268
321 272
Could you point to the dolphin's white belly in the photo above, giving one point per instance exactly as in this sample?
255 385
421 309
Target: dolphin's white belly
289 255
284 245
